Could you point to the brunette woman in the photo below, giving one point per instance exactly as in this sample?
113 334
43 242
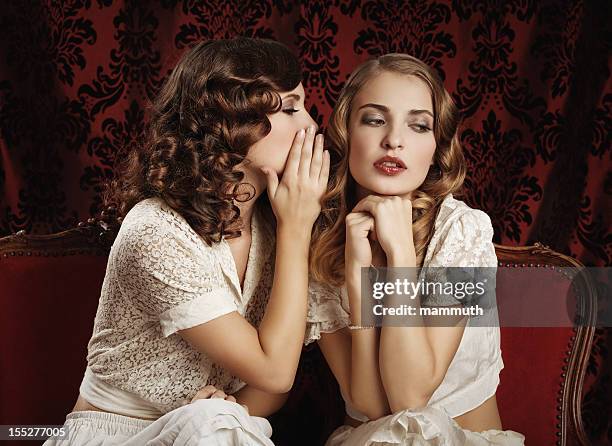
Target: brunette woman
205 293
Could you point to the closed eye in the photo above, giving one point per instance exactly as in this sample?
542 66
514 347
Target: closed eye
420 128
290 111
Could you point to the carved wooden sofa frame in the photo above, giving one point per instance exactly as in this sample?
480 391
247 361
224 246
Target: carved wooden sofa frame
95 237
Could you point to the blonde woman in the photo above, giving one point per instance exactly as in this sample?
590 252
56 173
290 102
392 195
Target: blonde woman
398 162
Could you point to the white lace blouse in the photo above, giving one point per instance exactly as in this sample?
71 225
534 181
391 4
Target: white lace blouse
162 277
462 237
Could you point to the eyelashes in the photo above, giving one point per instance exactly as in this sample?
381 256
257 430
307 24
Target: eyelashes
422 128
290 111
373 121
377 122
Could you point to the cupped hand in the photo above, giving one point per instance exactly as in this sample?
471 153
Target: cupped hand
296 199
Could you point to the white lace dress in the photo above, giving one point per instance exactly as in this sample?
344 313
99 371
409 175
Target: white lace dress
161 277
462 237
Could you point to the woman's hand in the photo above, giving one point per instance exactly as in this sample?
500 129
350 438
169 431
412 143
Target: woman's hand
210 392
357 255
296 201
393 226
357 250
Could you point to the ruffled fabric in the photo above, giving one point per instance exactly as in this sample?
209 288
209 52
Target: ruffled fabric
424 427
205 422
327 311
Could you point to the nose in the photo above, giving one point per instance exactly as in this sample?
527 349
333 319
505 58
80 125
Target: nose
394 138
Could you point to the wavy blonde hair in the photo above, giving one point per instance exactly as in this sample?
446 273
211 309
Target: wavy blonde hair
445 176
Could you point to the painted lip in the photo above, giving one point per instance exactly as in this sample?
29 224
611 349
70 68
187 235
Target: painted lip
387 169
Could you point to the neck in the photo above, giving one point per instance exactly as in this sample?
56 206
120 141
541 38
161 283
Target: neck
258 183
246 213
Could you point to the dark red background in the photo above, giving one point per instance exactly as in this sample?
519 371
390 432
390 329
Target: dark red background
531 78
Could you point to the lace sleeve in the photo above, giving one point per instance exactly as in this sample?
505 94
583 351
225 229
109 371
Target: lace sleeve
165 273
464 242
326 312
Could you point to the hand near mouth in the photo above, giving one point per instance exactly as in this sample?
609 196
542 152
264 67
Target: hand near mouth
393 227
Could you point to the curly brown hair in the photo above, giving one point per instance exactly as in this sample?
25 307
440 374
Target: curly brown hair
212 108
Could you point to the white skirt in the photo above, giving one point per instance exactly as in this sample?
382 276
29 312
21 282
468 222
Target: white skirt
425 427
214 422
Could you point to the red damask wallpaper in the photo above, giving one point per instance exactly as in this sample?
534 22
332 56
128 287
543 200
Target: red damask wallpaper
532 79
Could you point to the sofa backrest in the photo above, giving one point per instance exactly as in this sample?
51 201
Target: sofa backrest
540 391
49 288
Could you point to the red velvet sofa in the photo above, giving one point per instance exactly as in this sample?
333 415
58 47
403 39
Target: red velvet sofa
49 288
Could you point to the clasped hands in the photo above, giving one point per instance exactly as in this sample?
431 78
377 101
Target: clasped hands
385 219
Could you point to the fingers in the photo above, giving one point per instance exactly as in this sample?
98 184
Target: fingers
306 155
356 217
374 203
219 394
324 174
293 160
307 158
368 204
296 202
360 223
271 179
317 157
210 392
204 393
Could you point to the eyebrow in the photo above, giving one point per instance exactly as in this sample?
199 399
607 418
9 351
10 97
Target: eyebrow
386 109
292 96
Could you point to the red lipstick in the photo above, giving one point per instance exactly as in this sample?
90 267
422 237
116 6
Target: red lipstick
390 165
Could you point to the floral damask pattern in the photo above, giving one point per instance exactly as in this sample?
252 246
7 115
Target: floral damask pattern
487 150
217 20
117 137
416 27
531 78
133 69
317 33
558 46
